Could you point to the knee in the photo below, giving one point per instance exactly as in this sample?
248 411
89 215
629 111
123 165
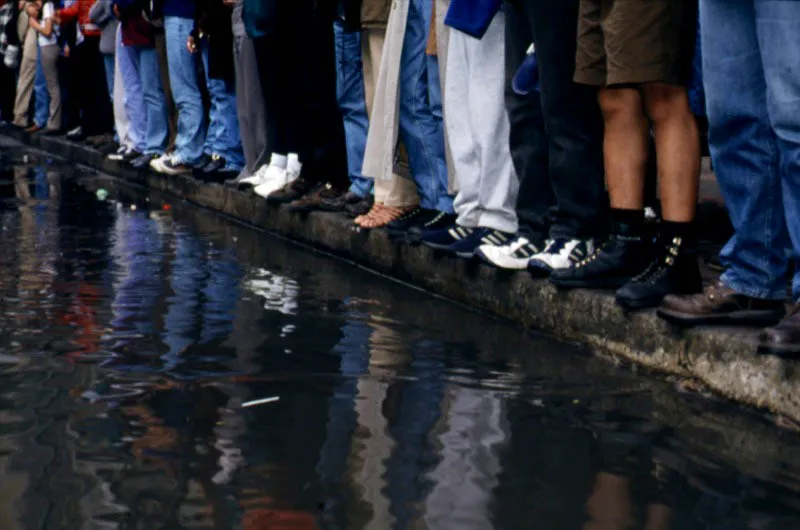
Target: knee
616 103
664 102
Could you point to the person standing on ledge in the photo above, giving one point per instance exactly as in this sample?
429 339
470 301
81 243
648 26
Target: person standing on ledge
751 67
639 55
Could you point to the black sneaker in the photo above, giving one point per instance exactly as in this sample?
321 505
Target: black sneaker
143 162
360 208
611 265
440 221
415 218
673 271
338 202
443 239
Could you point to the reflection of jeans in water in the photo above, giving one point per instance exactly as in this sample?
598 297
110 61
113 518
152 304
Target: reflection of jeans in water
353 104
220 294
183 312
354 351
137 252
418 413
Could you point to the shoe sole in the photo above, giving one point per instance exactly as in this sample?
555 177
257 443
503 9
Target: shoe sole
740 318
435 246
637 305
610 283
787 351
486 260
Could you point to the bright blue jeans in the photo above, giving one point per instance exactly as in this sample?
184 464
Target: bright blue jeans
353 104
752 75
223 128
421 124
144 60
185 91
41 104
134 96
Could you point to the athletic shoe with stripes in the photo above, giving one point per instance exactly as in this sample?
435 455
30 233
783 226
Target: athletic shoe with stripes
514 256
444 238
466 247
560 254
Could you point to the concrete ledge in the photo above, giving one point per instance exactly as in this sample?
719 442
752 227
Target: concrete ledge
724 360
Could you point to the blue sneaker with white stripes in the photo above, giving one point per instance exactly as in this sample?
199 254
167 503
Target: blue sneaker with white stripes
444 238
479 237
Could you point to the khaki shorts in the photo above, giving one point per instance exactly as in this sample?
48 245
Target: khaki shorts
635 41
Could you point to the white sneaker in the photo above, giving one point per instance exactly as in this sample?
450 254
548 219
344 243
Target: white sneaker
256 179
281 171
157 164
514 256
274 179
561 254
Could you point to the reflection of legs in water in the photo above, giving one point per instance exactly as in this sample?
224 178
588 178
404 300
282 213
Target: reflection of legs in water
610 507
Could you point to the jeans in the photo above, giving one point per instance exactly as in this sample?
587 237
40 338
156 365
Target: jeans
185 91
421 123
223 127
752 78
557 133
153 105
134 97
41 103
352 104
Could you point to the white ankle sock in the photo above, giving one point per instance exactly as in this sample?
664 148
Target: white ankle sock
278 160
293 163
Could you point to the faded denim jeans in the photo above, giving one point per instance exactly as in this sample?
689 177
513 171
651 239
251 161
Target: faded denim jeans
751 67
421 122
353 104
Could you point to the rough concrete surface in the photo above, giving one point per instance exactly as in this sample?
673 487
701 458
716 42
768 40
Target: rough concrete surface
724 360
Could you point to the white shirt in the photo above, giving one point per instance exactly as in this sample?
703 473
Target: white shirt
47 12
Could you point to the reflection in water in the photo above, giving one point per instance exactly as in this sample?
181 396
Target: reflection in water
129 338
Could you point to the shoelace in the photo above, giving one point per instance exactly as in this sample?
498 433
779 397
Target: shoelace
658 267
436 218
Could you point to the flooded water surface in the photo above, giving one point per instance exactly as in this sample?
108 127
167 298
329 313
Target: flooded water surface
136 333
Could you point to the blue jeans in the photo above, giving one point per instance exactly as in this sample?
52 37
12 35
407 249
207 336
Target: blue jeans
751 69
41 104
134 97
156 129
185 91
353 104
223 128
421 124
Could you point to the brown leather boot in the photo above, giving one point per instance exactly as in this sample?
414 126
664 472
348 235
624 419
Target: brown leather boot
783 339
721 305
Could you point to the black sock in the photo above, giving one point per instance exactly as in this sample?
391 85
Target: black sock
684 231
628 222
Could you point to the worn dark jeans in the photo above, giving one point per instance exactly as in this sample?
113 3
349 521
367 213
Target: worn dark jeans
557 133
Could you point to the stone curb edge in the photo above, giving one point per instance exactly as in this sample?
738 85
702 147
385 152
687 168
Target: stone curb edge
723 360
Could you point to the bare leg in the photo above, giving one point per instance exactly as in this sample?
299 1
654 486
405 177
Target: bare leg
625 146
678 147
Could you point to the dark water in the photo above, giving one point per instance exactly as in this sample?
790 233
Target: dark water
129 339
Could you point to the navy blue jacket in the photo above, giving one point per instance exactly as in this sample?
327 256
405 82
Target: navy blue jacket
473 16
179 8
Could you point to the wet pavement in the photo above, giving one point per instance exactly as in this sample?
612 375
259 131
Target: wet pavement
134 328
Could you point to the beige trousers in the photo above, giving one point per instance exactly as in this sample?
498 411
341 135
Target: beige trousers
50 66
399 190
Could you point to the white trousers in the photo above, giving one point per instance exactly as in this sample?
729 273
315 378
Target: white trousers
478 129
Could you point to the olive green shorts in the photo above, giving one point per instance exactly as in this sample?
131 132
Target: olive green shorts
623 42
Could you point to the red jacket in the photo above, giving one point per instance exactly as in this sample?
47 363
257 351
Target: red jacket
80 11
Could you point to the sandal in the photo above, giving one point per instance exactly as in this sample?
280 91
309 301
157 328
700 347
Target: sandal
381 215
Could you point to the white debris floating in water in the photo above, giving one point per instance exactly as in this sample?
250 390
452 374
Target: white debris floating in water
260 401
